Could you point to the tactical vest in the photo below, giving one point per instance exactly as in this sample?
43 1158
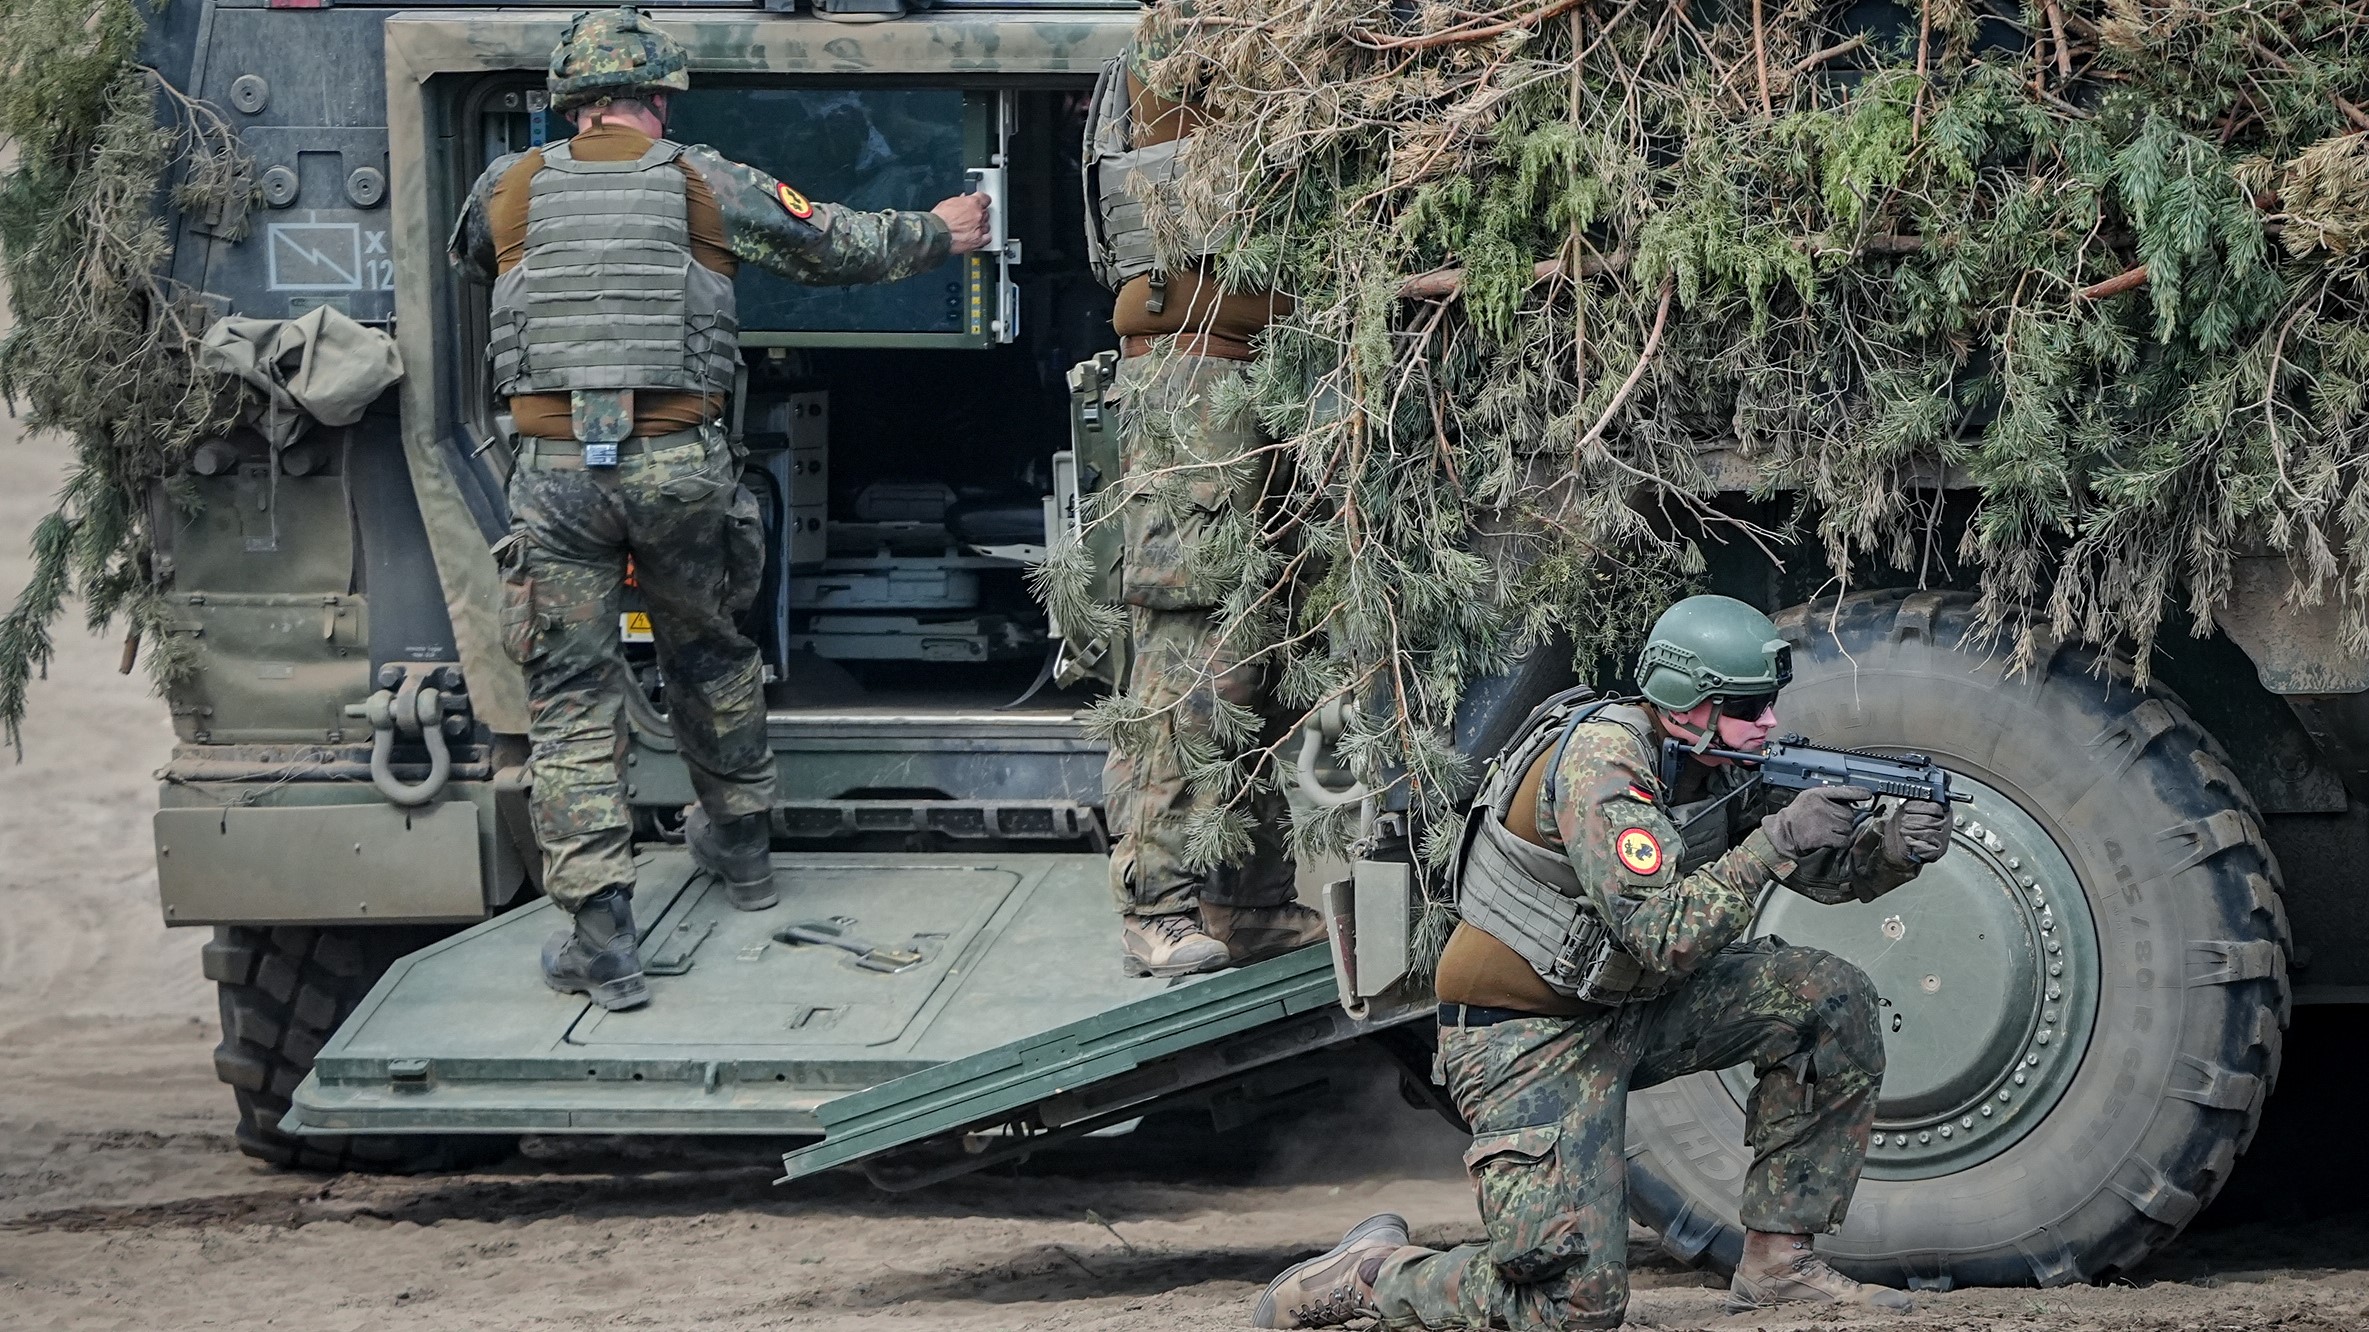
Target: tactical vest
1130 191
1529 898
608 295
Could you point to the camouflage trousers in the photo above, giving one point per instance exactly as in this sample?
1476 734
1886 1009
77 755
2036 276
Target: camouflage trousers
1546 1098
698 550
1191 483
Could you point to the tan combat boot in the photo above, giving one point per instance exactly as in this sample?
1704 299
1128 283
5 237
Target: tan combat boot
1169 945
1795 1274
1336 1286
1252 933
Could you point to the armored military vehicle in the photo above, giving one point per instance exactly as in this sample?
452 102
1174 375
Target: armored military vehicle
2083 1004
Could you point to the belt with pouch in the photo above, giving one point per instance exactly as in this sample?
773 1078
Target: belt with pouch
541 451
1481 1015
1132 345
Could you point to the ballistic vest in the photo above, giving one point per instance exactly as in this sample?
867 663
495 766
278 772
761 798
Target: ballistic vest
1529 897
608 295
1130 191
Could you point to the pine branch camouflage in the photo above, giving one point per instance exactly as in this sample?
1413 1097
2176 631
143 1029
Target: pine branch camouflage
2107 282
102 351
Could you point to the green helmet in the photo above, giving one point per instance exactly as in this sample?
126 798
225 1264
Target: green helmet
1712 646
615 53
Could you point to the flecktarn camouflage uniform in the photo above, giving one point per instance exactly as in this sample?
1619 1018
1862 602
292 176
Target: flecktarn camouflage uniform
1193 476
699 546
1191 470
676 505
1546 1096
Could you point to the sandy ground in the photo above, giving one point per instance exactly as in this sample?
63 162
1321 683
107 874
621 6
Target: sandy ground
123 1204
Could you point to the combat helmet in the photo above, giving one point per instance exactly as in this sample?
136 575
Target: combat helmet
615 53
1712 646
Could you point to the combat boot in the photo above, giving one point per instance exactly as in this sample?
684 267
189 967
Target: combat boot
1173 944
1252 933
1336 1286
1797 1275
599 956
739 855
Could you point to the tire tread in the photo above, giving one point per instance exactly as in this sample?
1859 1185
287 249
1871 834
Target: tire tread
282 993
2232 1038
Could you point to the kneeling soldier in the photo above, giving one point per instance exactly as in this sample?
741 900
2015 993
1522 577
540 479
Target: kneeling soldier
1605 884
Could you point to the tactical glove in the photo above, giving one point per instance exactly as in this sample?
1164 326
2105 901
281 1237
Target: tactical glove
1916 833
1819 819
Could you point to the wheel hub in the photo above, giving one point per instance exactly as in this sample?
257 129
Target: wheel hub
1986 972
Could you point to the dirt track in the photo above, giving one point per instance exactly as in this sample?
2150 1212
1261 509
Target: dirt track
123 1204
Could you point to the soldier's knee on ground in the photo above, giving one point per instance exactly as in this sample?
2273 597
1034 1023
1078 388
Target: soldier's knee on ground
1595 1298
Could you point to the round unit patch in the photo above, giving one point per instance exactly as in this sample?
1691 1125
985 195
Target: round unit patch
1640 851
792 202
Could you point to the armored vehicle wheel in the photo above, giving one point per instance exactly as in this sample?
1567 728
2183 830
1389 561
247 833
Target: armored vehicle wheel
2082 1003
283 991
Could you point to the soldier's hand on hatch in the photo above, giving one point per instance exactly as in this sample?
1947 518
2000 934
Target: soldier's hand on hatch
966 215
1819 819
1916 833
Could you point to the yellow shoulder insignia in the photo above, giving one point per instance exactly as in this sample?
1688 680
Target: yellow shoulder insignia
1640 852
792 202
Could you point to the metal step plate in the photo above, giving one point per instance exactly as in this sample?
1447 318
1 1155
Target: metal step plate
752 1034
1068 1079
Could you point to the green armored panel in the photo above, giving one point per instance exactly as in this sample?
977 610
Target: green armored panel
354 862
994 1084
748 1033
323 851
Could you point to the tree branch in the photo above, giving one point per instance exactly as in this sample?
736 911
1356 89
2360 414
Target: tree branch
1454 35
1620 396
1760 60
2056 34
1447 283
1834 52
2129 280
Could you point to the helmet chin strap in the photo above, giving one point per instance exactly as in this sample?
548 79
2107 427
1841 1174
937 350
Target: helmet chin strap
1710 729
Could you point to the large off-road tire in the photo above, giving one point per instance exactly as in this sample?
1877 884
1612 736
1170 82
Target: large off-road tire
283 991
2083 1002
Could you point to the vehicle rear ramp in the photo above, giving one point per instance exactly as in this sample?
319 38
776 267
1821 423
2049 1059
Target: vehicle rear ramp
971 1009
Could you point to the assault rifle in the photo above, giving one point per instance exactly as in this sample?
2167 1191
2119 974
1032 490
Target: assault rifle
1792 763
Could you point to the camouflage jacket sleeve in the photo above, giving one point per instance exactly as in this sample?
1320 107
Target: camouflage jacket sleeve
1860 872
1605 810
827 245
472 246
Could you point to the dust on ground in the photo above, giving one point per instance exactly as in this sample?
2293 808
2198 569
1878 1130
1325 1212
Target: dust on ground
124 1205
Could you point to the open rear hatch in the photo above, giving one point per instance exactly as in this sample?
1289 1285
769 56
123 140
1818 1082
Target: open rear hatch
965 996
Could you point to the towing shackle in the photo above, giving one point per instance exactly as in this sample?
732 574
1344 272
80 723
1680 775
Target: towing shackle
423 704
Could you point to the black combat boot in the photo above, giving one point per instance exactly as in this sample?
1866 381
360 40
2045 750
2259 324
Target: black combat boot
739 854
599 957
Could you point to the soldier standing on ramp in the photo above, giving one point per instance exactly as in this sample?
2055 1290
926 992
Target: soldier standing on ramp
1605 884
1185 345
615 339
